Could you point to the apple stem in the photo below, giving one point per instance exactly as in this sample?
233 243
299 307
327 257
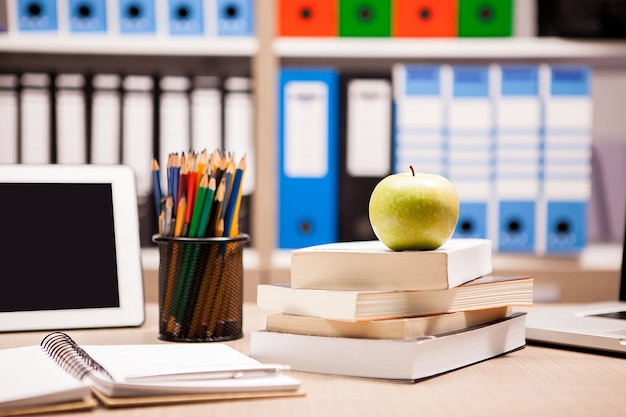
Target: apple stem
412 170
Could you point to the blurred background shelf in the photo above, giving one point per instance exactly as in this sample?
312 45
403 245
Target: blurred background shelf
456 48
592 275
144 46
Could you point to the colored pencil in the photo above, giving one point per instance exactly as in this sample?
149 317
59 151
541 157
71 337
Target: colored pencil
230 219
218 201
174 172
169 208
180 217
228 177
192 177
203 198
198 206
206 209
156 185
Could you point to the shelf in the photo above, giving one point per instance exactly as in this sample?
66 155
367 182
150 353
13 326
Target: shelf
457 48
142 46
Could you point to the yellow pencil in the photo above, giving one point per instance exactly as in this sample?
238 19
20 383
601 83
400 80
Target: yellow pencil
181 212
202 161
232 225
217 208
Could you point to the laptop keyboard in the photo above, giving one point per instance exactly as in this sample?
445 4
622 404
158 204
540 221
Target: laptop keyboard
619 315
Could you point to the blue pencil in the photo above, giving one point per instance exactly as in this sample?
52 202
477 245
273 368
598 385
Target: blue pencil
156 183
168 170
235 195
174 173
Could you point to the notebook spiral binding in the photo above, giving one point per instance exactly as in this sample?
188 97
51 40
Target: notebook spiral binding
71 357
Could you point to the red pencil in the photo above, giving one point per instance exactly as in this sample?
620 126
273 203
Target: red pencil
192 177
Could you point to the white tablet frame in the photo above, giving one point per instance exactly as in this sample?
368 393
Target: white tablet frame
131 311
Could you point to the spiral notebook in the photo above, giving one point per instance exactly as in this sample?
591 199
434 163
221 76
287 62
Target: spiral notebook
60 373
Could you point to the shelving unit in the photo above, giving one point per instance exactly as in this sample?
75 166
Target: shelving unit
261 57
216 47
457 48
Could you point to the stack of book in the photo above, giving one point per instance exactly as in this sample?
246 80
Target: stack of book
360 309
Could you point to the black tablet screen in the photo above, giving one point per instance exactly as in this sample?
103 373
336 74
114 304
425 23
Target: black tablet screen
59 247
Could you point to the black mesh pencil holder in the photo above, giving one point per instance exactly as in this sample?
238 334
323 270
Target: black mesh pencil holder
200 288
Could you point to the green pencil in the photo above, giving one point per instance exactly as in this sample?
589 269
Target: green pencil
198 206
207 207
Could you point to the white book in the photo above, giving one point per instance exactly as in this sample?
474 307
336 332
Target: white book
370 265
403 360
402 328
368 137
354 305
59 370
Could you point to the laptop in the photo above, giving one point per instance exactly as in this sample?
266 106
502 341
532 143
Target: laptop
599 327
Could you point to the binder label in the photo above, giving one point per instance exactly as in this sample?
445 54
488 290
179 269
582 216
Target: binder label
521 114
422 81
369 135
306 125
520 81
471 82
569 114
572 81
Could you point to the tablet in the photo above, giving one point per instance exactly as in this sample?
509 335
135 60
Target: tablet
70 256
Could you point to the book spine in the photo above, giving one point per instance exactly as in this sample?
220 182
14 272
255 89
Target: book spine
71 357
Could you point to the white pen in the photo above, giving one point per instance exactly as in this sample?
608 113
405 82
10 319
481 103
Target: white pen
212 372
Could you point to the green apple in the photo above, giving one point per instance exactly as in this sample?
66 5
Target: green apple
414 211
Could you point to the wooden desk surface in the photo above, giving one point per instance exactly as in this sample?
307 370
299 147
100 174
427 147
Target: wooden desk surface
536 381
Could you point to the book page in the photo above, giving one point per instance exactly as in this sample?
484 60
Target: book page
125 360
122 361
30 377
